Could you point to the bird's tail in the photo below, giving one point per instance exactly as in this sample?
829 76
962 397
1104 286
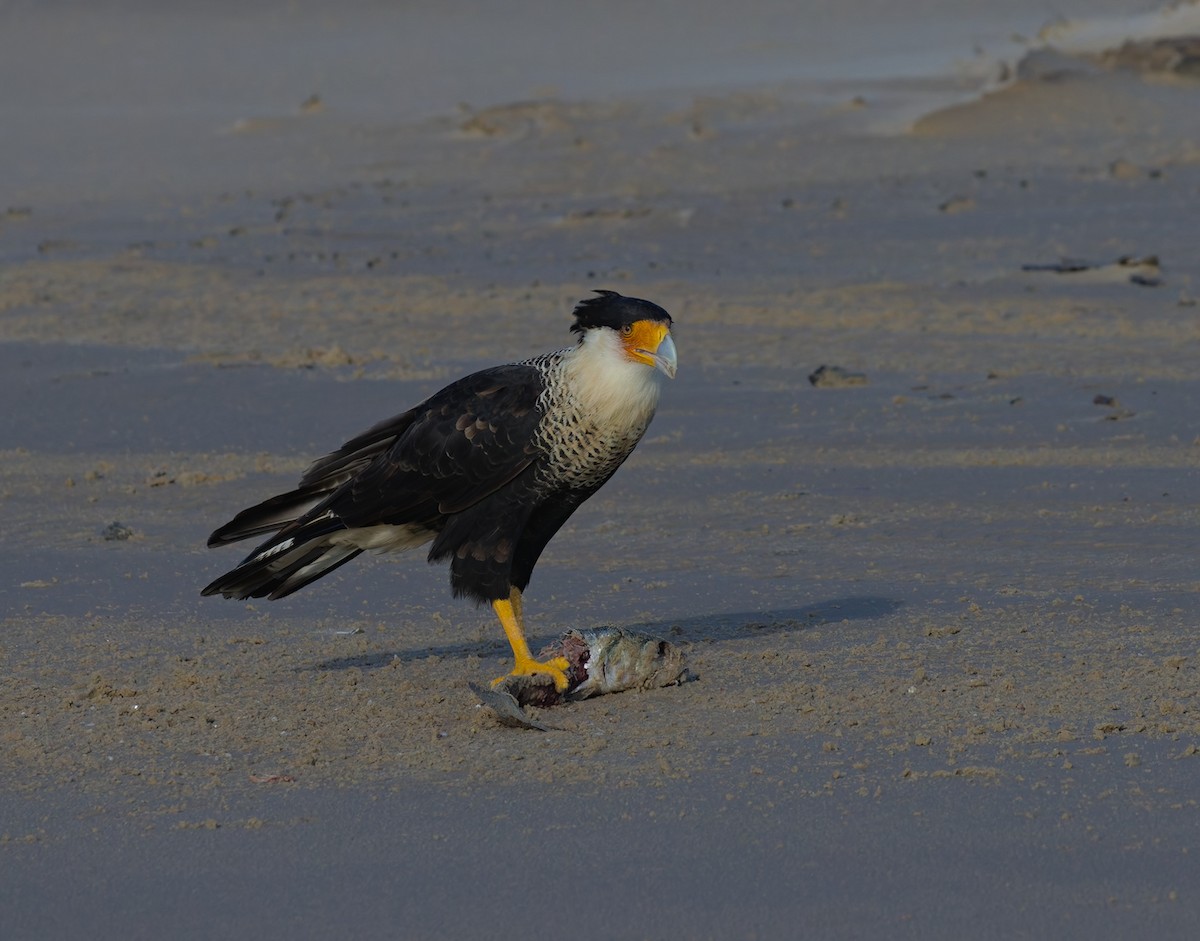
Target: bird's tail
298 554
274 514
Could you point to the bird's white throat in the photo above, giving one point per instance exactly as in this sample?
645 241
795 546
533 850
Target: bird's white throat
612 388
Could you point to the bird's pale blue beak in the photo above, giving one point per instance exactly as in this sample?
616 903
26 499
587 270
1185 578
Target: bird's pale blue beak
664 357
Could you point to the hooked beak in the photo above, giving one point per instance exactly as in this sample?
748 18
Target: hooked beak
664 357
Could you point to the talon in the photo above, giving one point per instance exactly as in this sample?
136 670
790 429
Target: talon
556 668
509 610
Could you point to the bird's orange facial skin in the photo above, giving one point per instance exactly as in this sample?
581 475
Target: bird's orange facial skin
642 341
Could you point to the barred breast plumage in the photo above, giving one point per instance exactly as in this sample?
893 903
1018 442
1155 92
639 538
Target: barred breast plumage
586 431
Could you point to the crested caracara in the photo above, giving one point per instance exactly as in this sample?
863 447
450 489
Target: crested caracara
487 470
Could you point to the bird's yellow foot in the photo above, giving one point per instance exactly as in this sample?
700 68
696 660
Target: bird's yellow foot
555 668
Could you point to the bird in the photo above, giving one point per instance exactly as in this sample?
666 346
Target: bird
486 471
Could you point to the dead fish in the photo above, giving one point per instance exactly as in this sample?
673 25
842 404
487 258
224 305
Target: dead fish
615 659
608 660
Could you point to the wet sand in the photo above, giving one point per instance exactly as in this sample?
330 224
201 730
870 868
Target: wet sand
942 623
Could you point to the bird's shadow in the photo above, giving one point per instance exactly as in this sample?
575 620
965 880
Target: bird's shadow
710 628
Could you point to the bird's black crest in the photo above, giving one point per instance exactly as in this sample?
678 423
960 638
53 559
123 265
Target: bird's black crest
614 310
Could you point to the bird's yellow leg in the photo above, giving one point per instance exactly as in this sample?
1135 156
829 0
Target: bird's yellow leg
511 614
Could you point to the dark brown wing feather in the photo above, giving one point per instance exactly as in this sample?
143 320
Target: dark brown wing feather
322 478
452 450
463 444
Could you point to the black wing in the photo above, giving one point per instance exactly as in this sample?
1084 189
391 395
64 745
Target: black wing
455 448
460 446
321 479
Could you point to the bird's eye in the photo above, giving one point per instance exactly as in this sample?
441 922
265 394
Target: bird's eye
627 330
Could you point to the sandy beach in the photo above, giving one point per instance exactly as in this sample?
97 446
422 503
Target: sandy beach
941 615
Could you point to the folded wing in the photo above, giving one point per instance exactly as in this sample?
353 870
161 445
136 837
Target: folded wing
391 487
